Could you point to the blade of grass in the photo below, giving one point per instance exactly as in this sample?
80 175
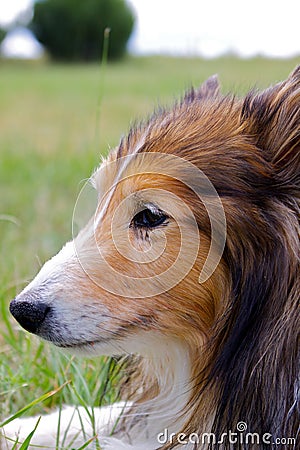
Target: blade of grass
103 66
33 403
90 441
26 443
65 436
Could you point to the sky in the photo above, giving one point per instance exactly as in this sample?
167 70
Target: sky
208 28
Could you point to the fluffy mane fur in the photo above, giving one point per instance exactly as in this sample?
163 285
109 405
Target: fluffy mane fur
208 356
248 368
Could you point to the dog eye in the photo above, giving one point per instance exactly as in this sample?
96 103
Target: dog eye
149 219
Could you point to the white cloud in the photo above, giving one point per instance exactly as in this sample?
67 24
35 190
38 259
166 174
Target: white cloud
10 9
21 43
214 27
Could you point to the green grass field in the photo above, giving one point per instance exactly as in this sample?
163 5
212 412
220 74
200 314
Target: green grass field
56 121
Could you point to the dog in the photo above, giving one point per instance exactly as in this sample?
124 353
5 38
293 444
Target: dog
189 267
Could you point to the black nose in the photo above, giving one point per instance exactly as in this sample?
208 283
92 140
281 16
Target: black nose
29 314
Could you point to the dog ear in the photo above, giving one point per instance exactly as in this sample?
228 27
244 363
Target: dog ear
273 118
209 89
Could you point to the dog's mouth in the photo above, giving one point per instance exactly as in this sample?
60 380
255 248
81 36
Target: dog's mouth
84 348
79 345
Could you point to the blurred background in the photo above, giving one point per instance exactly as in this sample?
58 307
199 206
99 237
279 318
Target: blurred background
187 28
73 75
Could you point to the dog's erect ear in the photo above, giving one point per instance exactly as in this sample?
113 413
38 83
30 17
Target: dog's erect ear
273 118
209 89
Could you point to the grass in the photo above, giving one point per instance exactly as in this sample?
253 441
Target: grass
53 131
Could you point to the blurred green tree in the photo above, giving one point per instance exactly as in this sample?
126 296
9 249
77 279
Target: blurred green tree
74 29
2 34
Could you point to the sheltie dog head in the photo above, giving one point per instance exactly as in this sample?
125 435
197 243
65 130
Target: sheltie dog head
191 261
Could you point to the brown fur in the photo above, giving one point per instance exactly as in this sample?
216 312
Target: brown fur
248 368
